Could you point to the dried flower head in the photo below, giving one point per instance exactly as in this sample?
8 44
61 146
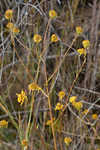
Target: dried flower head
37 38
54 38
3 124
21 97
9 14
52 14
82 51
61 95
59 106
94 116
86 43
67 140
79 30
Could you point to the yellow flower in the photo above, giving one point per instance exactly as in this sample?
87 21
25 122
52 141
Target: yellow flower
67 140
12 28
9 14
21 97
3 124
61 95
10 25
86 43
72 99
85 112
24 143
37 38
15 30
48 123
52 14
33 87
98 149
78 105
59 106
79 30
94 116
54 38
81 51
